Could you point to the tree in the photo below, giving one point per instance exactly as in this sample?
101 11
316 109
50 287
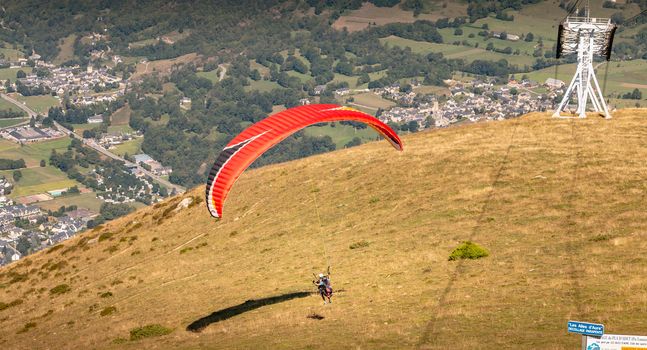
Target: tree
42 163
356 141
503 36
112 211
458 31
17 175
618 18
23 245
20 74
413 126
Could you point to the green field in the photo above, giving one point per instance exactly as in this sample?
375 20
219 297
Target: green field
32 153
11 54
66 47
80 128
342 134
164 118
85 200
142 43
120 129
213 75
39 104
38 180
622 77
457 51
10 73
262 85
6 105
303 77
10 122
265 72
131 147
372 100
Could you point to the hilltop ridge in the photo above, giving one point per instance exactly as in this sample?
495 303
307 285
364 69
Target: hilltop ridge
559 204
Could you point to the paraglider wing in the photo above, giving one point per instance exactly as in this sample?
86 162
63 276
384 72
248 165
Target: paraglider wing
258 138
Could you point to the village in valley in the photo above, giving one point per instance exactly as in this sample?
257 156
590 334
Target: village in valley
27 221
27 227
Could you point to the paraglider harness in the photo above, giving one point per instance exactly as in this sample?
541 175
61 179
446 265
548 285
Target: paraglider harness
323 285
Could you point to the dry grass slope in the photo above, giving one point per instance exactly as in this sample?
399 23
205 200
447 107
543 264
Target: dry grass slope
559 204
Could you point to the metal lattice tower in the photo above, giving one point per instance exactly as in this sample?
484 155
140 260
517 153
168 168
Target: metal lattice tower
587 37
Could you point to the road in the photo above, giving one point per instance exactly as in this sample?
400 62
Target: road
98 148
223 71
21 106
90 143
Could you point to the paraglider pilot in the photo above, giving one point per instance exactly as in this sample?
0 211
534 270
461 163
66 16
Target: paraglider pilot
324 287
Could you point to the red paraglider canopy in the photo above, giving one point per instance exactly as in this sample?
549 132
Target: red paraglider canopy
258 138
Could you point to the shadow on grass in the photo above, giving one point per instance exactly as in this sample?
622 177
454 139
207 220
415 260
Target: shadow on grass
249 305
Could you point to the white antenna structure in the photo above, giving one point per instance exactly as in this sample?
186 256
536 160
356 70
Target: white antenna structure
587 37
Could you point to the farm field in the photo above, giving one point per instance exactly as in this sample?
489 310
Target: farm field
39 104
162 66
262 85
6 105
38 180
342 134
84 200
115 129
11 54
359 19
32 153
10 73
213 75
372 100
469 54
66 47
622 77
121 116
131 147
10 122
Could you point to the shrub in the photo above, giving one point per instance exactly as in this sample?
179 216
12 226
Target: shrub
106 294
60 289
111 249
360 244
17 277
105 235
59 265
468 250
108 311
151 330
13 303
28 326
600 238
119 340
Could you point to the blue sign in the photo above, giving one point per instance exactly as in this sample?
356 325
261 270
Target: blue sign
585 328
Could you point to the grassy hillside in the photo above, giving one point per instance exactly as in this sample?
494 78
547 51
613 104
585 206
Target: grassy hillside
559 204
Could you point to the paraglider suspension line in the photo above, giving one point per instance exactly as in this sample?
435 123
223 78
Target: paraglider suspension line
321 233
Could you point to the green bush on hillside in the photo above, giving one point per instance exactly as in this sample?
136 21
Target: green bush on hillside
60 289
151 330
360 244
468 250
108 311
